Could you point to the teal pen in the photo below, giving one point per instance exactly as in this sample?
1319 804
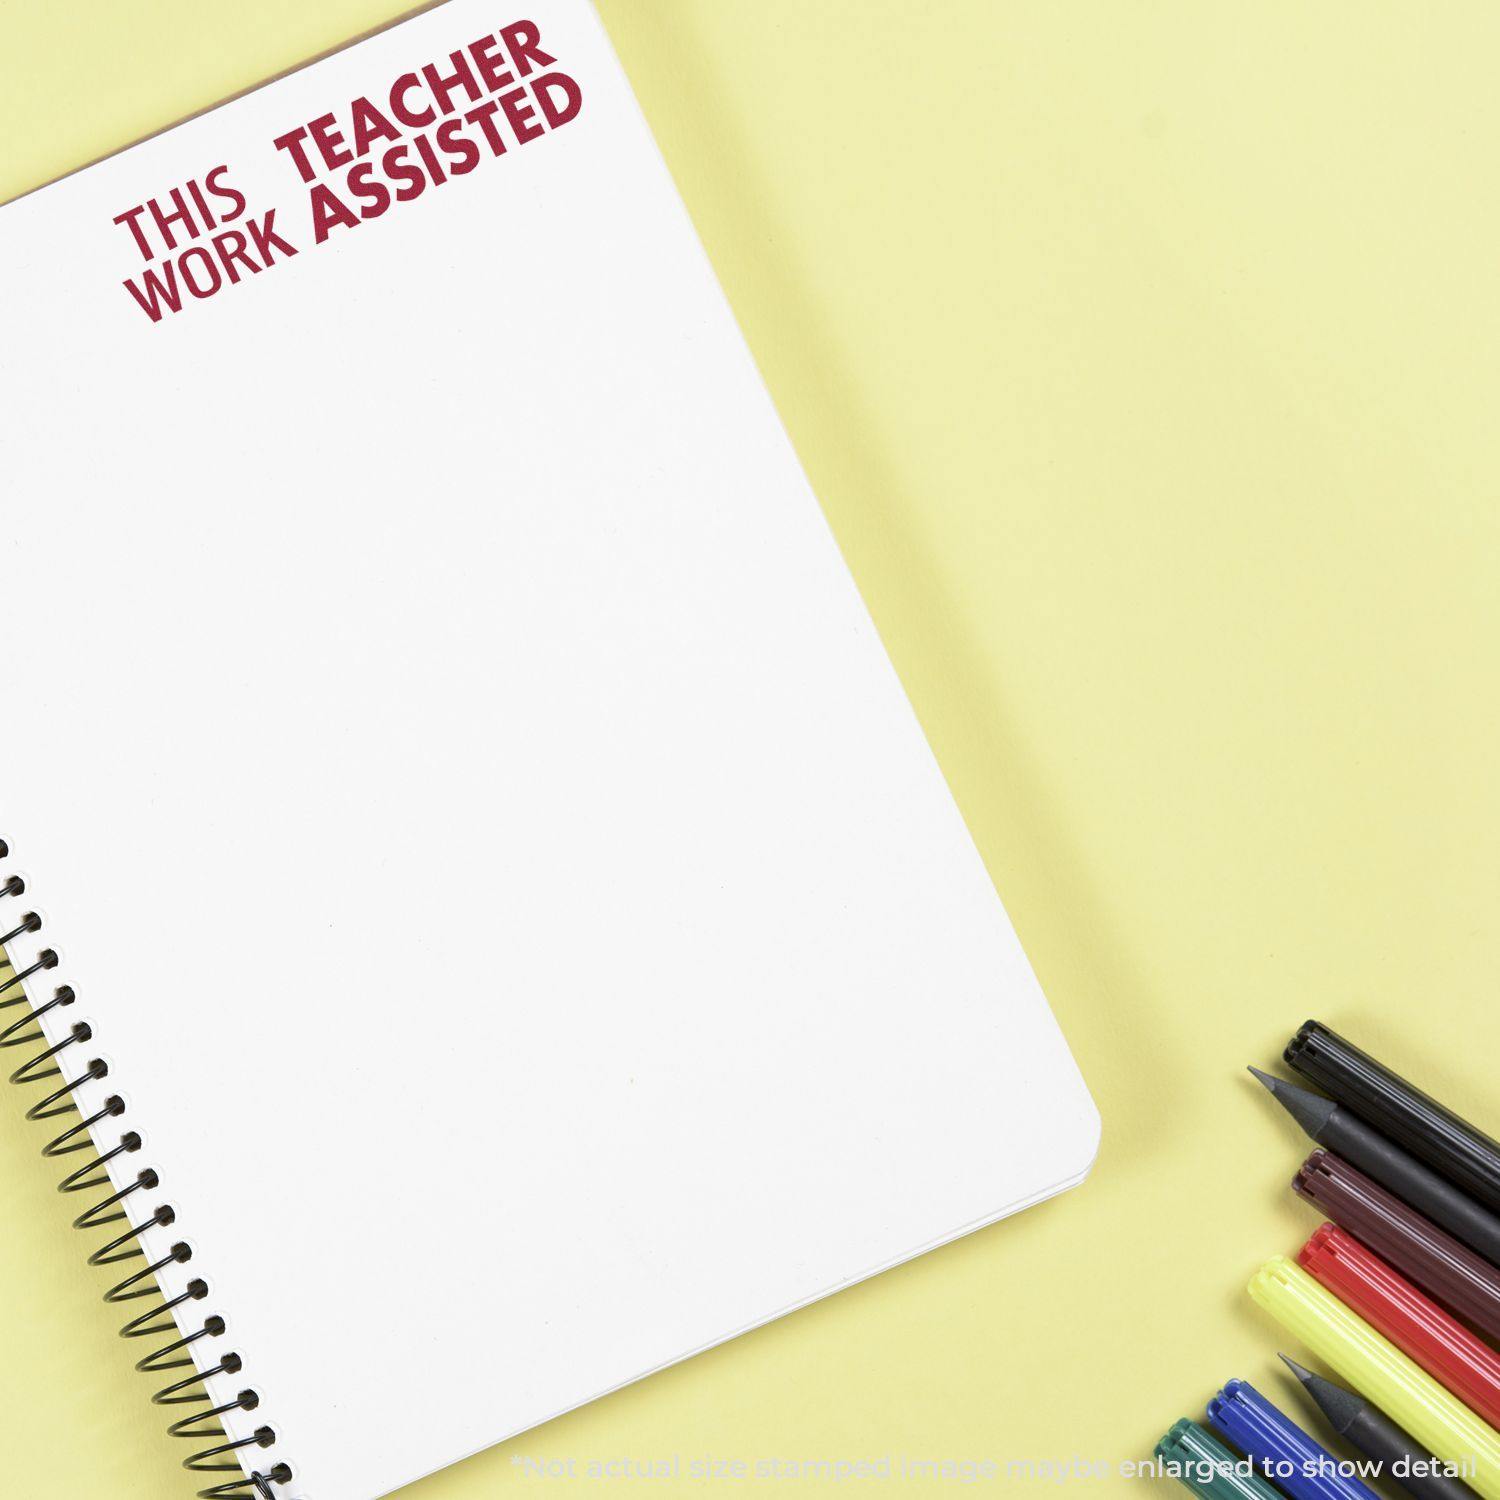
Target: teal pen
1197 1459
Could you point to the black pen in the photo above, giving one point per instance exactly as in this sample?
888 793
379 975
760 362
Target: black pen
1451 1146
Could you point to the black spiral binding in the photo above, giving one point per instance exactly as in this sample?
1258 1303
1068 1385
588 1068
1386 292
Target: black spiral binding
222 1456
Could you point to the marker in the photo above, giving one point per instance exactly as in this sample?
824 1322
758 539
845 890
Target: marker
1415 1324
1365 1427
1398 1171
1282 1451
1461 1152
1450 1273
1404 1391
1207 1467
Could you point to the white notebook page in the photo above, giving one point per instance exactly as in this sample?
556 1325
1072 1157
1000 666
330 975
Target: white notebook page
501 867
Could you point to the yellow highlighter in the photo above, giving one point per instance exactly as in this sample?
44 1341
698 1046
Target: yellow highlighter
1405 1392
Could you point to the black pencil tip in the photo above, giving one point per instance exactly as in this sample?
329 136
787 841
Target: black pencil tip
1311 1111
1341 1407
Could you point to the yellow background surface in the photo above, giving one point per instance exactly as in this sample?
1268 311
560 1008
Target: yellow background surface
1145 358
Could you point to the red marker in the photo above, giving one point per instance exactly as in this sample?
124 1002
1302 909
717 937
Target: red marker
1412 1322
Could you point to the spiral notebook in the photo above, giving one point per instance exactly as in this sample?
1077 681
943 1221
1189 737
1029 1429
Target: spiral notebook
486 896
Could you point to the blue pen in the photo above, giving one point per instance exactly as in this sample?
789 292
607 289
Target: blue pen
1282 1451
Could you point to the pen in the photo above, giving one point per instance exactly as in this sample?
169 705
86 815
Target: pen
1450 1273
1404 1391
1413 1323
1202 1463
1282 1451
1464 1154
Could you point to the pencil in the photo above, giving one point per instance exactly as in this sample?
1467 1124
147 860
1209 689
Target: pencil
1400 1459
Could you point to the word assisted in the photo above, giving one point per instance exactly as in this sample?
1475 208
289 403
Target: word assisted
431 124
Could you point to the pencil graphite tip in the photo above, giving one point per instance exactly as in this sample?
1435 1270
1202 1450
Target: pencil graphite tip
1311 1111
1341 1407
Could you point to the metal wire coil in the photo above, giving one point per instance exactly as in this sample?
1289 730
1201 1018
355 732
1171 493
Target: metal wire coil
50 1069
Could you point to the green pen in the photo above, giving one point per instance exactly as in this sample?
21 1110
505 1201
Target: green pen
1207 1467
